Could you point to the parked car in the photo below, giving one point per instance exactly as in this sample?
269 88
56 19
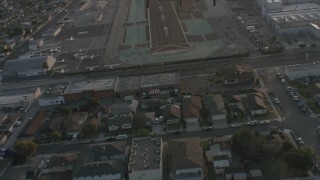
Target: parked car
293 93
295 98
289 88
276 100
235 125
252 123
300 141
208 128
264 122
122 137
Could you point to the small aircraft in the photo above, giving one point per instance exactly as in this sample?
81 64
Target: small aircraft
71 38
92 68
63 60
110 66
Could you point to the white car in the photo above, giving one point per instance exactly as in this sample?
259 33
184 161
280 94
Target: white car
252 123
122 137
289 88
234 125
264 122
300 141
276 100
295 98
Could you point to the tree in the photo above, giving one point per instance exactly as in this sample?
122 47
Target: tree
248 145
45 66
89 130
56 135
286 146
26 148
300 159
143 133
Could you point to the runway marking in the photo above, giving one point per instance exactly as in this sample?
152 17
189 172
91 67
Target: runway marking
149 28
184 35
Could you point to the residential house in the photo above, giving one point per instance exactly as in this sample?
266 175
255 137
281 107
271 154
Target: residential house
235 173
145 160
3 139
124 109
7 124
31 129
96 122
256 104
74 123
215 107
115 123
220 162
314 91
237 74
190 110
103 161
148 118
172 114
57 163
185 159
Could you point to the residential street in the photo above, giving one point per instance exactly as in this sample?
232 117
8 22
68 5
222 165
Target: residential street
295 119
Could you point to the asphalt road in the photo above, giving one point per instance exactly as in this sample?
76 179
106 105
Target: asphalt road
295 119
74 146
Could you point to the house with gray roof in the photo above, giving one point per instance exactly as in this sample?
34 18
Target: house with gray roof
26 67
102 161
214 105
185 159
115 123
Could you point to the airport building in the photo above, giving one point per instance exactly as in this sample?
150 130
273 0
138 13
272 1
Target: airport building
27 67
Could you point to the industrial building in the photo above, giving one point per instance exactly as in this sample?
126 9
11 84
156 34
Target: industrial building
53 95
27 67
90 89
291 16
302 71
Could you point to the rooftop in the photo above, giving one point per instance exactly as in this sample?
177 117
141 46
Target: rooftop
35 123
215 104
160 80
191 106
129 83
146 153
185 153
100 168
97 85
54 90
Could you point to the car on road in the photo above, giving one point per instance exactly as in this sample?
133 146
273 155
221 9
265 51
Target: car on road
295 98
252 123
300 141
264 122
276 100
289 89
208 128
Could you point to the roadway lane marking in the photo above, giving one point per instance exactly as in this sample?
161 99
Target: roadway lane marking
184 35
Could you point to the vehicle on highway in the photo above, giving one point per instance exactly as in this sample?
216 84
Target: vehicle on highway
283 81
264 122
289 89
252 123
235 125
300 141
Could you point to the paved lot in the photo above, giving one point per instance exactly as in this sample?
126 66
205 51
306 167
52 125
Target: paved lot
166 31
